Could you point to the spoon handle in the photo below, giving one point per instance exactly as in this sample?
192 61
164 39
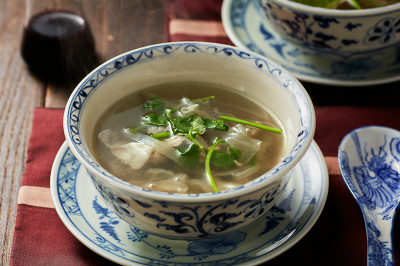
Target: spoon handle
379 239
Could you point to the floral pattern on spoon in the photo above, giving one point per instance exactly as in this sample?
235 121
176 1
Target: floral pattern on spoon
369 160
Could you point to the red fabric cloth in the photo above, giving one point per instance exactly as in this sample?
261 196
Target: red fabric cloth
338 237
208 10
40 237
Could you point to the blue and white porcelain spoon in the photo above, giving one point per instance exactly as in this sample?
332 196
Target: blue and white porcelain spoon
369 161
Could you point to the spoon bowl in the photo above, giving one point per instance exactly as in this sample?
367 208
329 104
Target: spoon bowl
369 161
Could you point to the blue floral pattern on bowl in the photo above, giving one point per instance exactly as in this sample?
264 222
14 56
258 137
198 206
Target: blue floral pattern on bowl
87 216
215 217
72 116
193 221
247 27
335 34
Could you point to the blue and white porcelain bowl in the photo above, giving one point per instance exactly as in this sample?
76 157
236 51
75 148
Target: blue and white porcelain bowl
331 32
188 216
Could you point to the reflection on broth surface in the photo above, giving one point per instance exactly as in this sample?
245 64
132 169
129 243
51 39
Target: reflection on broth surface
171 138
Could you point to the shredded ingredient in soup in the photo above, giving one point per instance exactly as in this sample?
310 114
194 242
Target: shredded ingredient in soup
347 4
177 145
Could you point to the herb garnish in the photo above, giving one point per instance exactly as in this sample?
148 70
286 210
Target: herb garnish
335 3
192 126
161 135
154 104
244 122
155 119
190 157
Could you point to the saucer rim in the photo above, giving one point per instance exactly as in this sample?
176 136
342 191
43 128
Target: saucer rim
290 242
237 41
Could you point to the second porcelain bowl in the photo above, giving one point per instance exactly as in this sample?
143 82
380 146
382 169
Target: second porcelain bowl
332 32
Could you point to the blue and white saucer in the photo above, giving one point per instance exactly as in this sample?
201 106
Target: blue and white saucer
247 28
87 217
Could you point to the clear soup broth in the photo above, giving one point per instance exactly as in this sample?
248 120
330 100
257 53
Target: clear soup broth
171 138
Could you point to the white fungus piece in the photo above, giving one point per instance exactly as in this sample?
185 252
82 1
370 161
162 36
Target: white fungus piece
155 130
238 174
157 158
157 145
239 139
133 154
188 107
165 180
175 141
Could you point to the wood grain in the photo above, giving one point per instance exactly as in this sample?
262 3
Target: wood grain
118 26
19 94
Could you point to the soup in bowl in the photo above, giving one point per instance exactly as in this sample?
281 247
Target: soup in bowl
188 140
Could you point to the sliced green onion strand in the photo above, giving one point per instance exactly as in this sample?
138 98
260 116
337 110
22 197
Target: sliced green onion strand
136 129
245 122
355 4
207 98
161 135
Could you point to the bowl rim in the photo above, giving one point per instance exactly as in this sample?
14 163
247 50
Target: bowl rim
336 12
245 189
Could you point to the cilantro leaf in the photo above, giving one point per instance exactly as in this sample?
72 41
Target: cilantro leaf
235 153
215 124
222 160
155 119
192 124
168 112
154 104
181 125
190 157
197 126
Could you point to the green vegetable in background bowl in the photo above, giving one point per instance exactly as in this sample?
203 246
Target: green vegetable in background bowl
347 4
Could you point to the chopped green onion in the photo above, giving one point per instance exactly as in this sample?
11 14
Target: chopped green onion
245 122
161 135
207 98
136 129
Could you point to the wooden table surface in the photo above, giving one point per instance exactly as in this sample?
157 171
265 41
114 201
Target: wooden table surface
118 26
